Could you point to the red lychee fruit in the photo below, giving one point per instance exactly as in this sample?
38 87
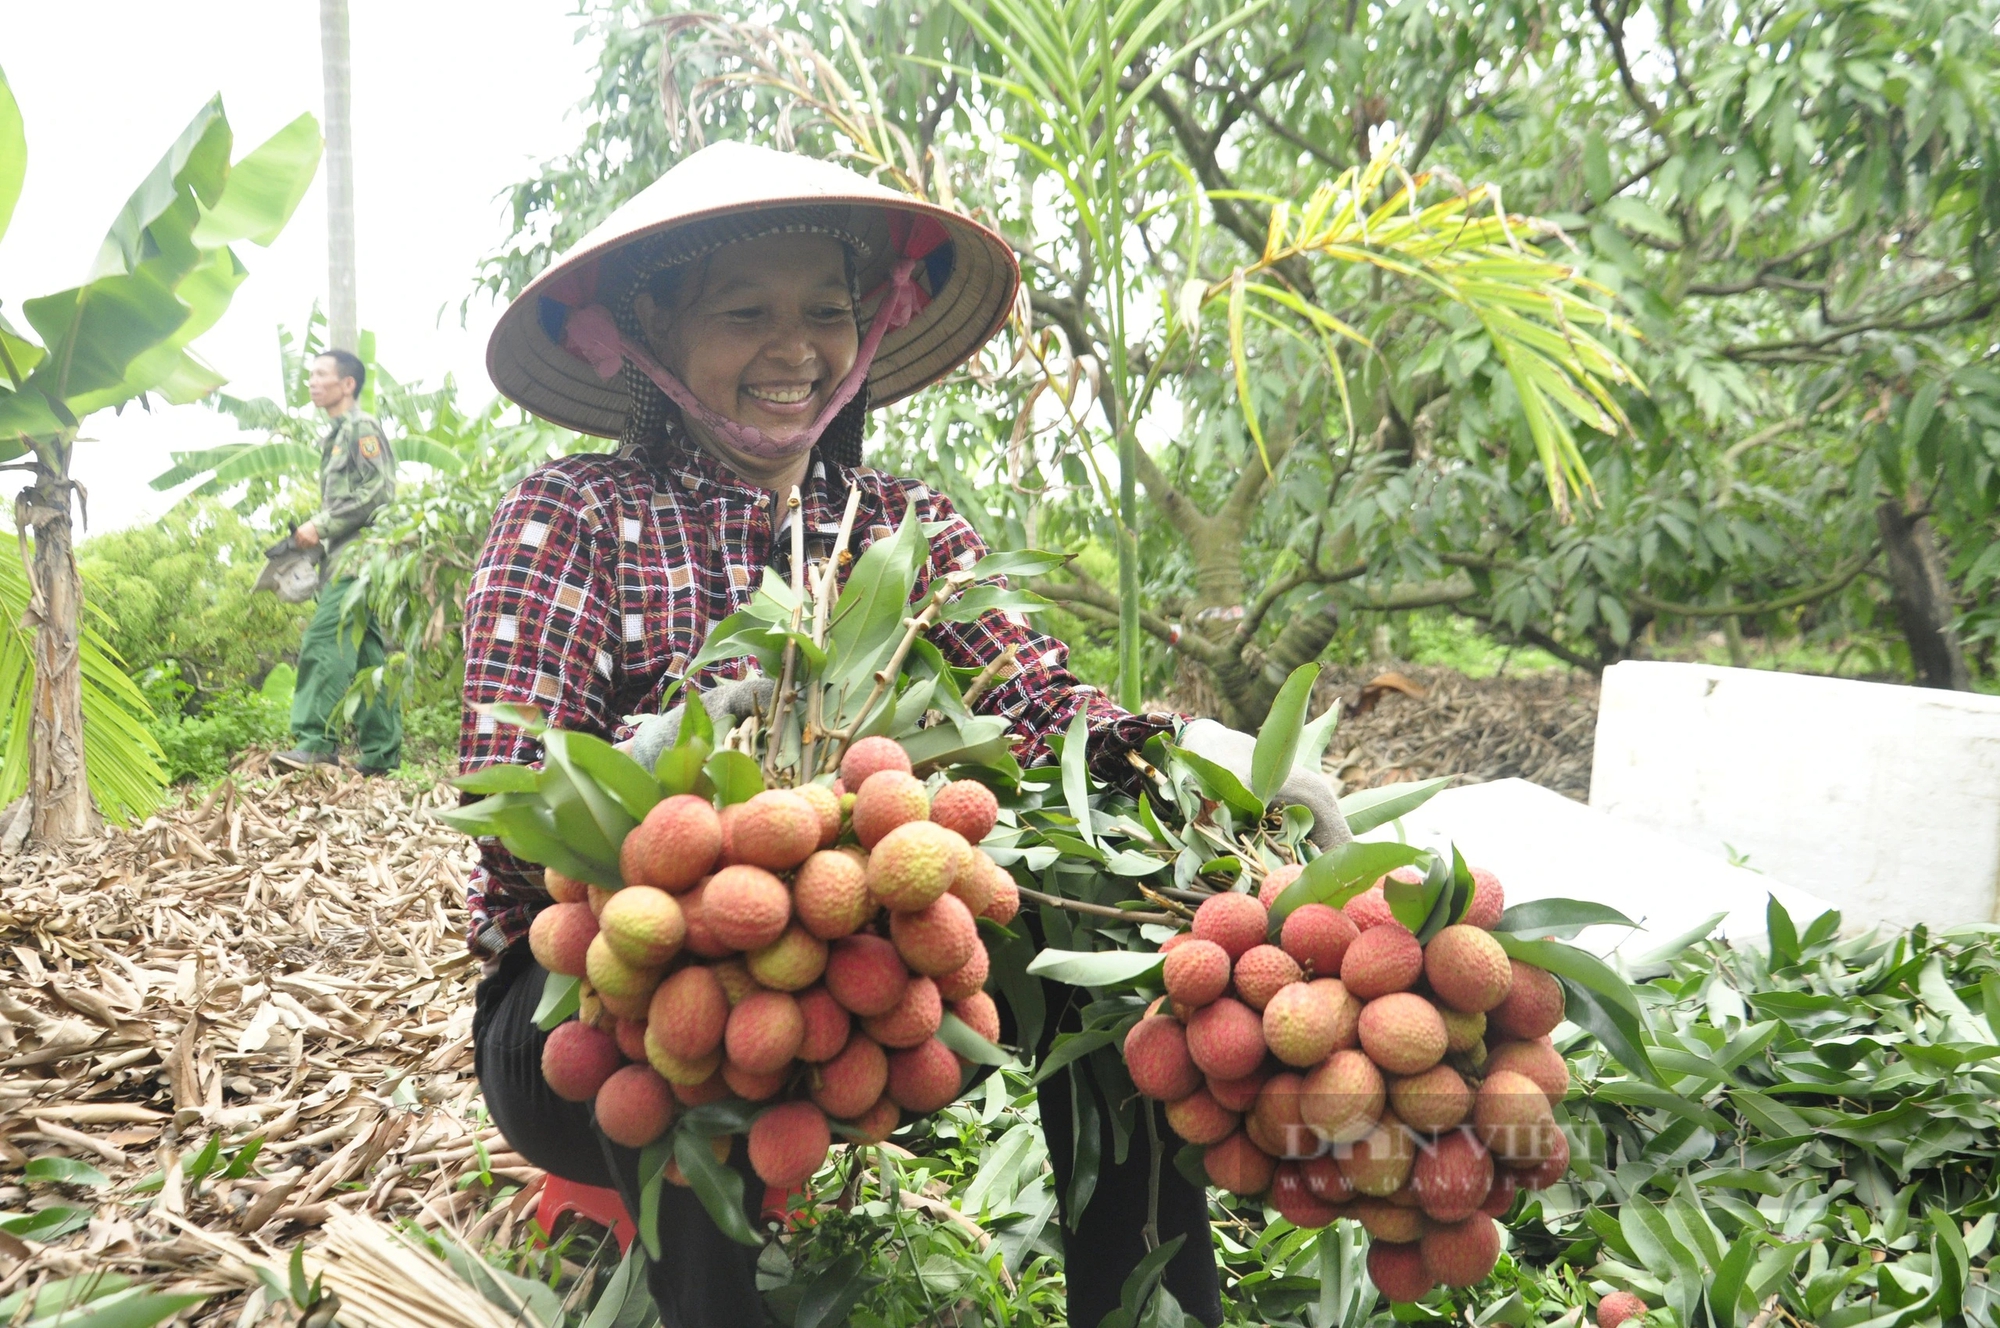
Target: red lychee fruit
1501 1197
1233 921
1156 1054
826 806
1300 1023
681 1071
1238 1094
1276 882
914 1017
644 925
1539 1060
1436 1099
1343 1097
675 846
1239 1166
968 979
1369 909
1513 1119
1295 1201
630 1035
967 806
865 974
1462 1032
560 937
635 1106
1195 972
564 890
752 1085
1379 1162
765 1031
889 798
700 940
913 865
777 829
1274 1123
878 1122
1452 1176
1226 1038
1617 1308
1551 1168
793 962
976 880
827 1025
978 1013
1323 1178
923 1078
869 755
1317 937
1347 1012
745 907
1398 1273
1462 1254
577 1059
1199 1119
850 1083
1402 1032
788 1143
1261 971
623 987
1006 905
1534 1004
1467 969
1388 1222
712 1089
1382 959
936 939
1489 901
688 1013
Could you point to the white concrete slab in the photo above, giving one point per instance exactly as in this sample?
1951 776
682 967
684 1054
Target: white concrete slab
1884 799
1542 845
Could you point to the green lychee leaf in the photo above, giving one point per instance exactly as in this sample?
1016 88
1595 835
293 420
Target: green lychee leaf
960 1037
1335 877
561 995
735 776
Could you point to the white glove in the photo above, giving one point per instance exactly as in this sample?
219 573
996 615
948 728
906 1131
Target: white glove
727 703
1309 789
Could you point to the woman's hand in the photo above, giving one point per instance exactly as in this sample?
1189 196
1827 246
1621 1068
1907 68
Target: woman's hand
1307 788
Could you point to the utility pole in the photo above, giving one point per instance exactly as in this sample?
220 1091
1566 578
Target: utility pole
343 322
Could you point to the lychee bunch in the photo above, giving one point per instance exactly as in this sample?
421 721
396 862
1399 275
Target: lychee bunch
1344 1068
800 948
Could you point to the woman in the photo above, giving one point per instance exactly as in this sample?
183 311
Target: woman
731 326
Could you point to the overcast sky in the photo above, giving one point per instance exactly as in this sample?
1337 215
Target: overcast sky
453 101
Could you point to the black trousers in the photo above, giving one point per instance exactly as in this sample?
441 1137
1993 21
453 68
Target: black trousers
706 1280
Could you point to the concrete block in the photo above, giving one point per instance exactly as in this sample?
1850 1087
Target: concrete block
1883 799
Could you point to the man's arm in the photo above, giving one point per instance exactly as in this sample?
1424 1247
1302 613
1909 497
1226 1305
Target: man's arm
361 480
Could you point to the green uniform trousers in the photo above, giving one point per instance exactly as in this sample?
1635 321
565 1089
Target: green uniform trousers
328 660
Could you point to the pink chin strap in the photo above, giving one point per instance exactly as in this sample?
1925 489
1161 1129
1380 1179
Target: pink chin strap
592 335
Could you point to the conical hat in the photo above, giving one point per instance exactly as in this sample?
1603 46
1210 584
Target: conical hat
970 279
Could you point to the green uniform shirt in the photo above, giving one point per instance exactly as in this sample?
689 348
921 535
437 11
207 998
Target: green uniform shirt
357 478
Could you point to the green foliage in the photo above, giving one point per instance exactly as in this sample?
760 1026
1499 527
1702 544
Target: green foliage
200 747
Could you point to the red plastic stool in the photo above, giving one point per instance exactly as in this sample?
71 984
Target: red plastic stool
601 1206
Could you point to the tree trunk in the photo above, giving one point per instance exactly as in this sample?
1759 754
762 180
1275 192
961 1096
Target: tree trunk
1922 597
58 792
343 322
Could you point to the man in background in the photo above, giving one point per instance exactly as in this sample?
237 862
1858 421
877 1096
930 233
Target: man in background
357 478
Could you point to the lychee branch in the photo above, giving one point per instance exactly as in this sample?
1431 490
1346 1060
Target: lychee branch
1096 910
781 705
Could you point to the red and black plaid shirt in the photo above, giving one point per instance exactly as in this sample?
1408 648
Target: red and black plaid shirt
603 573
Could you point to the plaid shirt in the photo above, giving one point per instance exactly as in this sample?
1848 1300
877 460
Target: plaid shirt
603 573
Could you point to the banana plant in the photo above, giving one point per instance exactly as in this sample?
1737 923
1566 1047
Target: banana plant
165 274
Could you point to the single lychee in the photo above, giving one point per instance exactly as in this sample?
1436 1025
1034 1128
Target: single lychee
1237 1094
1379 1162
1369 909
827 1025
681 1071
1347 1012
1402 1032
793 962
1343 1097
923 1078
1452 1176
1199 1119
1317 937
674 846
869 755
936 939
1323 1178
1501 1197
912 865
1195 972
1156 1054
727 817
967 806
616 979
1513 1119
1617 1308
1398 1273
712 1089
1233 921
1467 969
1300 1023
577 1059
1295 1202
865 974
1382 959
1226 1037
850 1083
563 889
976 881
1239 1166
1388 1222
745 907
889 798
777 829
978 1013
630 1035
826 806
1006 905
688 1013
788 1143
1489 901
1462 1254
1274 1123
595 895
1276 882
878 1122
1436 1099
1261 972
914 1017
1462 1032
1534 1004
1539 1060
700 940
830 893
753 1085
765 1031
736 980
635 1106
968 979
644 925
1551 1168
560 938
